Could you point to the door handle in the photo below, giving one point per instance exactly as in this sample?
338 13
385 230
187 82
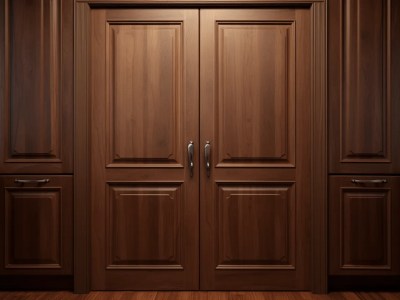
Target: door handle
376 181
207 155
46 180
190 150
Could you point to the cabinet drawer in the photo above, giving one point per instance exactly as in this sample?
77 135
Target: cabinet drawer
364 225
37 227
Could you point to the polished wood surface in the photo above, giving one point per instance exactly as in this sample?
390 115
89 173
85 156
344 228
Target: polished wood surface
37 228
200 296
364 226
144 111
255 207
317 101
363 75
37 86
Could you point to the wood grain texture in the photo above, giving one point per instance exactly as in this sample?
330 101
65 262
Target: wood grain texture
264 236
37 116
364 227
256 107
145 104
199 296
362 79
144 226
37 228
156 206
244 267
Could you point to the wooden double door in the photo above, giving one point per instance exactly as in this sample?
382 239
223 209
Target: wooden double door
200 148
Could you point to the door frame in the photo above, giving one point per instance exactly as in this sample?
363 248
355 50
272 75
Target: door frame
319 176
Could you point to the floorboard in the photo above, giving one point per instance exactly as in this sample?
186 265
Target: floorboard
198 296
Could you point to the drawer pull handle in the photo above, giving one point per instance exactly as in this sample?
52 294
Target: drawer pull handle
358 181
46 180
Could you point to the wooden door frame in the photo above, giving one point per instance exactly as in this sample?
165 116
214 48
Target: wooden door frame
319 178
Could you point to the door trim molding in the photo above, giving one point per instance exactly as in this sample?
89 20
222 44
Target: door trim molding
319 268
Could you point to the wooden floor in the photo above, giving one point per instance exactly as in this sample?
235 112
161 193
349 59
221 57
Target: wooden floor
198 296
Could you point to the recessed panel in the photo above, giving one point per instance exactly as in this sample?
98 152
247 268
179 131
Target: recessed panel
256 96
256 226
33 228
144 226
365 229
32 80
145 83
364 107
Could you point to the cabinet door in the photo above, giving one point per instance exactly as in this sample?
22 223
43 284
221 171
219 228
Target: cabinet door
36 86
255 90
37 225
364 92
364 225
144 113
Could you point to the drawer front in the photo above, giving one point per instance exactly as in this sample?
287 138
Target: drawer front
364 224
37 227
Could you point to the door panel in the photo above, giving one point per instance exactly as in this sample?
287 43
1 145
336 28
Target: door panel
36 86
363 225
255 113
144 112
363 76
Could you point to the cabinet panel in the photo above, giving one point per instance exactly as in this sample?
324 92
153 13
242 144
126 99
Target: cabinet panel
363 103
364 225
38 220
37 86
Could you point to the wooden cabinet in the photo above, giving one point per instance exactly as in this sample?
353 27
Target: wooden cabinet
364 109
37 218
364 92
36 86
364 225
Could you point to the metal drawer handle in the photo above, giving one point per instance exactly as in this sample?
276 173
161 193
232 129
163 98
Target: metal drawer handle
46 180
358 181
190 150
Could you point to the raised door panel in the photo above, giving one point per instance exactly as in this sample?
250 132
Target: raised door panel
37 86
256 97
37 231
144 226
145 104
143 114
363 96
255 111
364 226
256 226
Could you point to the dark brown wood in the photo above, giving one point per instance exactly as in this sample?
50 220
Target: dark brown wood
363 75
81 154
254 63
201 295
37 227
364 226
319 112
143 112
319 178
37 86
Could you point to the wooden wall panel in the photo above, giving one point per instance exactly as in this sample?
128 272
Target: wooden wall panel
145 67
364 226
256 226
144 226
362 76
37 86
37 230
256 104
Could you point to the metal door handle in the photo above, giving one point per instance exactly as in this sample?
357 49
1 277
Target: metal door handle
46 180
358 181
190 150
207 155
